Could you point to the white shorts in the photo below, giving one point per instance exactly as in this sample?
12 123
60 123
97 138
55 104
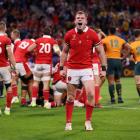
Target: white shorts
22 68
42 72
57 93
96 69
5 74
75 75
61 86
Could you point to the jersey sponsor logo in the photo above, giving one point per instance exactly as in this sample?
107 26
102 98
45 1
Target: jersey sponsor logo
74 37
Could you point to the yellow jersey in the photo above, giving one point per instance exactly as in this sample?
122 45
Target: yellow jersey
113 46
135 50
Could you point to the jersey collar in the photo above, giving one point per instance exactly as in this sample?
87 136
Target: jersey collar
2 33
47 36
85 30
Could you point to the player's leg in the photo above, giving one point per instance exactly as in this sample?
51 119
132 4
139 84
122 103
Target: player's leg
15 98
46 93
118 70
96 72
137 78
110 78
89 88
89 85
69 105
7 81
35 89
37 75
1 88
46 77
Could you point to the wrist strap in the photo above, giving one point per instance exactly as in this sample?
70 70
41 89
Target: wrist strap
103 68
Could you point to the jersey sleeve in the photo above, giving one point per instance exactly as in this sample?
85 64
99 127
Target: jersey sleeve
67 38
8 41
96 40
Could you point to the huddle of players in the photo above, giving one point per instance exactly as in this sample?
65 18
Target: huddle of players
37 49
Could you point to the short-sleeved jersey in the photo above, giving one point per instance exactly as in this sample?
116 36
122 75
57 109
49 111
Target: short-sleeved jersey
81 48
44 50
21 53
135 50
113 45
4 41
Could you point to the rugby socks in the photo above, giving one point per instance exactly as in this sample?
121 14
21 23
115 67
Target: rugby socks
14 89
53 104
46 95
111 90
34 92
69 110
119 90
23 101
89 110
9 97
1 88
97 94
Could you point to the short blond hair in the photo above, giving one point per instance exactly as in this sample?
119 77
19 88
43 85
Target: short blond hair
81 12
16 32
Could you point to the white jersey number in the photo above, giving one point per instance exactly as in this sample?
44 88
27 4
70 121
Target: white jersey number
24 45
45 48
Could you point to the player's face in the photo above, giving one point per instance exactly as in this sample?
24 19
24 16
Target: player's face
12 36
80 21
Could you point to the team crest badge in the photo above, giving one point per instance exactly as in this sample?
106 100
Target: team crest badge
69 78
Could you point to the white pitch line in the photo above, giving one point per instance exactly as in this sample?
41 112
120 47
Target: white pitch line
121 107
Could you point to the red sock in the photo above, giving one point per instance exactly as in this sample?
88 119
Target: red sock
34 92
14 89
46 94
69 110
89 110
9 97
23 100
53 104
97 94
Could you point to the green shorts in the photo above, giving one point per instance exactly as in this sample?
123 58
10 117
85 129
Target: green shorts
114 67
137 69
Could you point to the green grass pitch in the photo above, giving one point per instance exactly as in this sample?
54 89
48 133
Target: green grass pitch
113 122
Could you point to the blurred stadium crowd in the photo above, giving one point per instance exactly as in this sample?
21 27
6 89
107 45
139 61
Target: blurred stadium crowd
30 16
